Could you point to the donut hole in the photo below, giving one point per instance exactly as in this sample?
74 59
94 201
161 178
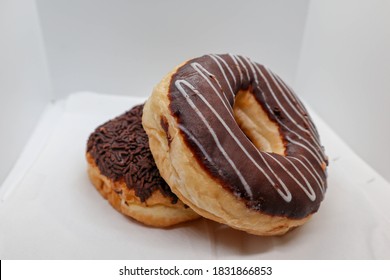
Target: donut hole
256 125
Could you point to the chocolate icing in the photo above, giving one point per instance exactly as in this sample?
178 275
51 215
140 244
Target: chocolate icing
202 93
120 148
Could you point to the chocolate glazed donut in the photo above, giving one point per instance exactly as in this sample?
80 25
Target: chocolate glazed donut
238 145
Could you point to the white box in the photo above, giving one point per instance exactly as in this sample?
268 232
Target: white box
61 60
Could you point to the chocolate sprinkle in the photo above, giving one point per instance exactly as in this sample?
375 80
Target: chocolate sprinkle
120 148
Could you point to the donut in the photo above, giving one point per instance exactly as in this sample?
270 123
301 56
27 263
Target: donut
121 167
235 143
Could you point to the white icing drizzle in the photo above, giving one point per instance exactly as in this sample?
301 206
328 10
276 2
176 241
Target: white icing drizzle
224 74
197 143
243 65
316 155
291 101
237 66
299 105
309 191
278 101
319 156
227 67
253 69
306 148
299 114
299 102
179 86
199 68
316 177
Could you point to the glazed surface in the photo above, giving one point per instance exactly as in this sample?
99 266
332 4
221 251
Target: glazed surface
202 94
120 148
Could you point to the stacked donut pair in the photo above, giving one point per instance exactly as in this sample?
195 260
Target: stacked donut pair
220 137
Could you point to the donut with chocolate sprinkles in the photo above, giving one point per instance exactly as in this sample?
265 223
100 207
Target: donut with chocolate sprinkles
122 168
